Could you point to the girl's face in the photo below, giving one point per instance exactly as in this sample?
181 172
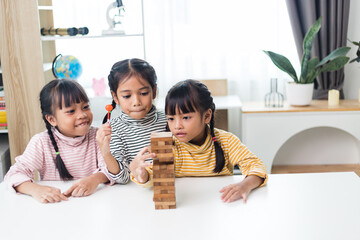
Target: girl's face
134 96
73 121
189 127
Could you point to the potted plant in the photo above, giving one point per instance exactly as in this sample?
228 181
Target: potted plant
299 92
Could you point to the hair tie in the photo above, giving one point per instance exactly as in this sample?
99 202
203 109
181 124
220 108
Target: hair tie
214 139
57 153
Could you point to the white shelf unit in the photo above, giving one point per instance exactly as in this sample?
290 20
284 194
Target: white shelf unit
47 10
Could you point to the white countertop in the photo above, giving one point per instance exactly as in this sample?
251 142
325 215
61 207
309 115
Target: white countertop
290 206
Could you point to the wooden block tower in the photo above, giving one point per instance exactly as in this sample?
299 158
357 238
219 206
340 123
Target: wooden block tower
163 170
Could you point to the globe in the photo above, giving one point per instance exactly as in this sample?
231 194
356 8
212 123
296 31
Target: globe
67 67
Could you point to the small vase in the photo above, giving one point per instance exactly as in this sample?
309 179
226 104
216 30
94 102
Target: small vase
299 94
274 98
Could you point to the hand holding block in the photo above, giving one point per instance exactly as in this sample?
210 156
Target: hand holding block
163 170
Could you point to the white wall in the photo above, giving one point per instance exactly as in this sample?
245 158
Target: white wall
352 71
326 145
323 145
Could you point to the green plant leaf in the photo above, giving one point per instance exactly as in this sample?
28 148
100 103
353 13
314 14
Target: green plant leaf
310 76
334 64
283 64
307 45
355 59
334 54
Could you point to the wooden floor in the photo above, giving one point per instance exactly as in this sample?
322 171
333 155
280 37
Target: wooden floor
277 169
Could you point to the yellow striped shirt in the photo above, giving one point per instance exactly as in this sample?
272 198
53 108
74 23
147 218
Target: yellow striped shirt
193 160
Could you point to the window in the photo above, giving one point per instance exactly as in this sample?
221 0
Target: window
199 39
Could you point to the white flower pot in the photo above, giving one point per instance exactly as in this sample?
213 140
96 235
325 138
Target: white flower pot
299 94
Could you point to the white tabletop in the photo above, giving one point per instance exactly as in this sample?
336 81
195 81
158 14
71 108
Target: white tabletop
290 206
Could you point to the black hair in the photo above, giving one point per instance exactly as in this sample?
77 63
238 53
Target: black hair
190 96
59 93
126 69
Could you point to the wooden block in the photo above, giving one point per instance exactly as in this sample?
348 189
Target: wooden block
166 160
164 206
161 174
165 202
155 135
162 167
163 188
161 142
164 191
159 147
164 155
164 183
164 197
161 161
163 151
168 180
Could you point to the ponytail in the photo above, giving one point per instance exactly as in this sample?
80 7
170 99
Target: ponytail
59 163
219 153
113 104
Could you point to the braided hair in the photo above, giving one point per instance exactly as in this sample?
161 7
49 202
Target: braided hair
56 94
190 96
126 69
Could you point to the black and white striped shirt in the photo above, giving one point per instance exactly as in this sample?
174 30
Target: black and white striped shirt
129 136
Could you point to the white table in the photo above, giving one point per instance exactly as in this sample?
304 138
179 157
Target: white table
291 206
265 130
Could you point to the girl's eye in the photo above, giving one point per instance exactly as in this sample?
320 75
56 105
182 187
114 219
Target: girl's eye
126 96
186 118
70 111
170 119
144 93
87 107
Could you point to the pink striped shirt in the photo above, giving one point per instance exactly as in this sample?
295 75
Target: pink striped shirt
81 156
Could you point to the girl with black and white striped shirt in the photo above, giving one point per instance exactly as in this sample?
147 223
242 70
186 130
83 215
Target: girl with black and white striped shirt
125 139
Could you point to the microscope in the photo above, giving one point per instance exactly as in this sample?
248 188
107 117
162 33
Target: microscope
114 18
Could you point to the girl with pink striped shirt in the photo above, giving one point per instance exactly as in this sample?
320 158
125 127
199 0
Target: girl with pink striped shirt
67 150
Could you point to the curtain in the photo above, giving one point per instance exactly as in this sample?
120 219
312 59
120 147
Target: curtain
199 39
209 39
332 35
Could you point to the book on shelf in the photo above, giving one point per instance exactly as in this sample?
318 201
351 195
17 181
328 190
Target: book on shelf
3 119
3 126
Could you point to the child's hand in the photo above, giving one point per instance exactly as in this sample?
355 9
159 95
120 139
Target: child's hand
138 165
240 190
83 187
46 194
103 136
235 192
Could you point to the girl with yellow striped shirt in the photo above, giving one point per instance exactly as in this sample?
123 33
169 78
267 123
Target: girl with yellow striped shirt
202 150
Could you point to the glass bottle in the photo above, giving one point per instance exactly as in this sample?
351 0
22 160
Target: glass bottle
274 98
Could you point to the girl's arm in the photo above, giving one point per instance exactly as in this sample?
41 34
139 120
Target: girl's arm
116 166
240 190
43 194
87 185
247 161
251 167
103 136
26 164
